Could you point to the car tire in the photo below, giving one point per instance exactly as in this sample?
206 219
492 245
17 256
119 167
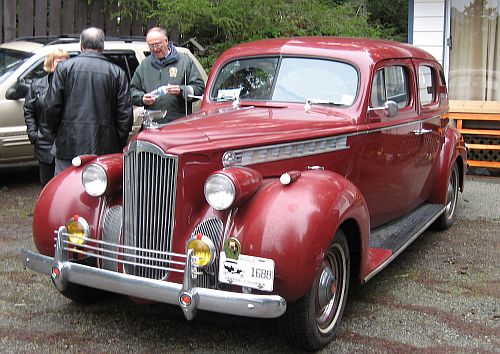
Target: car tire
313 321
447 218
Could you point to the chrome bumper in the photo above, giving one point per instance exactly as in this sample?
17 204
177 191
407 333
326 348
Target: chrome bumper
63 271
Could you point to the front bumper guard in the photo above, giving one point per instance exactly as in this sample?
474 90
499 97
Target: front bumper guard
187 296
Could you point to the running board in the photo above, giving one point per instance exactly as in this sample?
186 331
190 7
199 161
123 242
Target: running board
394 237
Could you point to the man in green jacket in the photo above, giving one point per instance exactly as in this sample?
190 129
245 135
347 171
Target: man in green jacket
167 69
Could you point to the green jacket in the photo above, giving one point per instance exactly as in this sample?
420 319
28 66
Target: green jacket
181 71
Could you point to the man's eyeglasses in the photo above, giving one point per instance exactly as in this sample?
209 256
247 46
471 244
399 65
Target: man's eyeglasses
156 45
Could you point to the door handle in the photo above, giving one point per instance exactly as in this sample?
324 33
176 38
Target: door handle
422 131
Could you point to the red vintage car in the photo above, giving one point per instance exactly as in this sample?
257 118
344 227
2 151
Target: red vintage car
313 161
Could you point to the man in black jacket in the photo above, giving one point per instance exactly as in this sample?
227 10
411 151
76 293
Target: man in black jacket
88 105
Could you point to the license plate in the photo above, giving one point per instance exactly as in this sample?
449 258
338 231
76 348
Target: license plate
249 271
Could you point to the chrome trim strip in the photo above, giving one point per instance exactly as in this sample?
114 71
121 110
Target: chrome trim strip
402 248
249 305
284 151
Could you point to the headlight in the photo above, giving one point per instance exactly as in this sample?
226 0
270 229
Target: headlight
204 250
95 180
220 191
78 229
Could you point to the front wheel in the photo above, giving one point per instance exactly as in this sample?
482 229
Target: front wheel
448 217
313 321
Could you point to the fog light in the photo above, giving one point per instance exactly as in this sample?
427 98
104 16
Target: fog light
204 250
78 230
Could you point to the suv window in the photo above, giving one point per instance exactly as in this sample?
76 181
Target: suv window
390 83
125 60
10 60
426 84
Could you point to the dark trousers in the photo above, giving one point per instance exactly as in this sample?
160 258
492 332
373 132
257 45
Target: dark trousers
46 171
61 165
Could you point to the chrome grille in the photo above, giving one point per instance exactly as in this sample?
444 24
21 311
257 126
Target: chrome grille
212 228
149 189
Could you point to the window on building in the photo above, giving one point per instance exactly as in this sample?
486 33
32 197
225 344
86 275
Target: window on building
475 50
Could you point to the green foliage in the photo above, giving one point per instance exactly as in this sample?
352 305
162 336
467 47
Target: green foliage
220 24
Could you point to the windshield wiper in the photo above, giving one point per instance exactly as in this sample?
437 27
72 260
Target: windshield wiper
311 101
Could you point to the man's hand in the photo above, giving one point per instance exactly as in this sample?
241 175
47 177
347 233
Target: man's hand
148 99
174 90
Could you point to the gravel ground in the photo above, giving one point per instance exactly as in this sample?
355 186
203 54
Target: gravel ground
440 295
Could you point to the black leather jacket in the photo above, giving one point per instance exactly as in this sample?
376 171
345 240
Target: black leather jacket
34 116
88 106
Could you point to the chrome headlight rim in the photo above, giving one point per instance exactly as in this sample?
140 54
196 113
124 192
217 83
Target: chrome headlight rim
205 240
214 196
95 180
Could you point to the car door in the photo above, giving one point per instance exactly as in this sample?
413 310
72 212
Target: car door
430 111
390 146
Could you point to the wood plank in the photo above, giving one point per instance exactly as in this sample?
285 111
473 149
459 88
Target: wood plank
9 28
483 147
69 17
96 14
82 16
480 132
125 26
487 164
473 116
25 17
475 106
111 21
41 16
55 18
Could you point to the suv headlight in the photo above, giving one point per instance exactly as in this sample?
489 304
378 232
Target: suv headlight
95 180
220 191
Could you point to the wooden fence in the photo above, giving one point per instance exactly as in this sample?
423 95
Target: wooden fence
21 18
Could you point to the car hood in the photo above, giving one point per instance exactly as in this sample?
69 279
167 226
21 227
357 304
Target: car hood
230 127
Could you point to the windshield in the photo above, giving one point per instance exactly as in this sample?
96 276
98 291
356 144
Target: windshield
10 60
287 80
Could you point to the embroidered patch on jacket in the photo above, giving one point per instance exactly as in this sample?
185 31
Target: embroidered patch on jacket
173 72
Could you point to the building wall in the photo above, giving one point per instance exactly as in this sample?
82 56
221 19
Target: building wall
428 30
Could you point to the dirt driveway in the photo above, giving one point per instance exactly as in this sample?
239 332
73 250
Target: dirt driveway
441 295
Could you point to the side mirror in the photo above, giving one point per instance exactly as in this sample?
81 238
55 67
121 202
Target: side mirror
390 109
17 91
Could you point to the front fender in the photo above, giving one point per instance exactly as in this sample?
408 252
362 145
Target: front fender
294 224
61 199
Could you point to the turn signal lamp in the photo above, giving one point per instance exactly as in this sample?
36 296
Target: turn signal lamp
78 230
203 250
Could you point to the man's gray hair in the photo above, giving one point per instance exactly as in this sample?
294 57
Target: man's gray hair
92 38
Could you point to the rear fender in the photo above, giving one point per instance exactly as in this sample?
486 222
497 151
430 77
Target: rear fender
453 150
294 224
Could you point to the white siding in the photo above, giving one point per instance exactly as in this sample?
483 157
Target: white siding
428 26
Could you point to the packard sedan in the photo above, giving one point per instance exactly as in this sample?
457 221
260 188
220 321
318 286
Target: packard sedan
313 162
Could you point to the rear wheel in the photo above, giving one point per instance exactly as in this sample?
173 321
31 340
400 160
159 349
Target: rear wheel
313 321
448 217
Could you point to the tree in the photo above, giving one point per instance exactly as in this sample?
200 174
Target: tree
220 24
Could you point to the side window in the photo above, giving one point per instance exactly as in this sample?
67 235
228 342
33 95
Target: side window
390 83
426 84
127 61
37 70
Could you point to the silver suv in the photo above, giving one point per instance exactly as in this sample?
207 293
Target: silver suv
22 60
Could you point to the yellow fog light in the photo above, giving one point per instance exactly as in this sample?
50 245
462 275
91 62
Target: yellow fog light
78 229
204 250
